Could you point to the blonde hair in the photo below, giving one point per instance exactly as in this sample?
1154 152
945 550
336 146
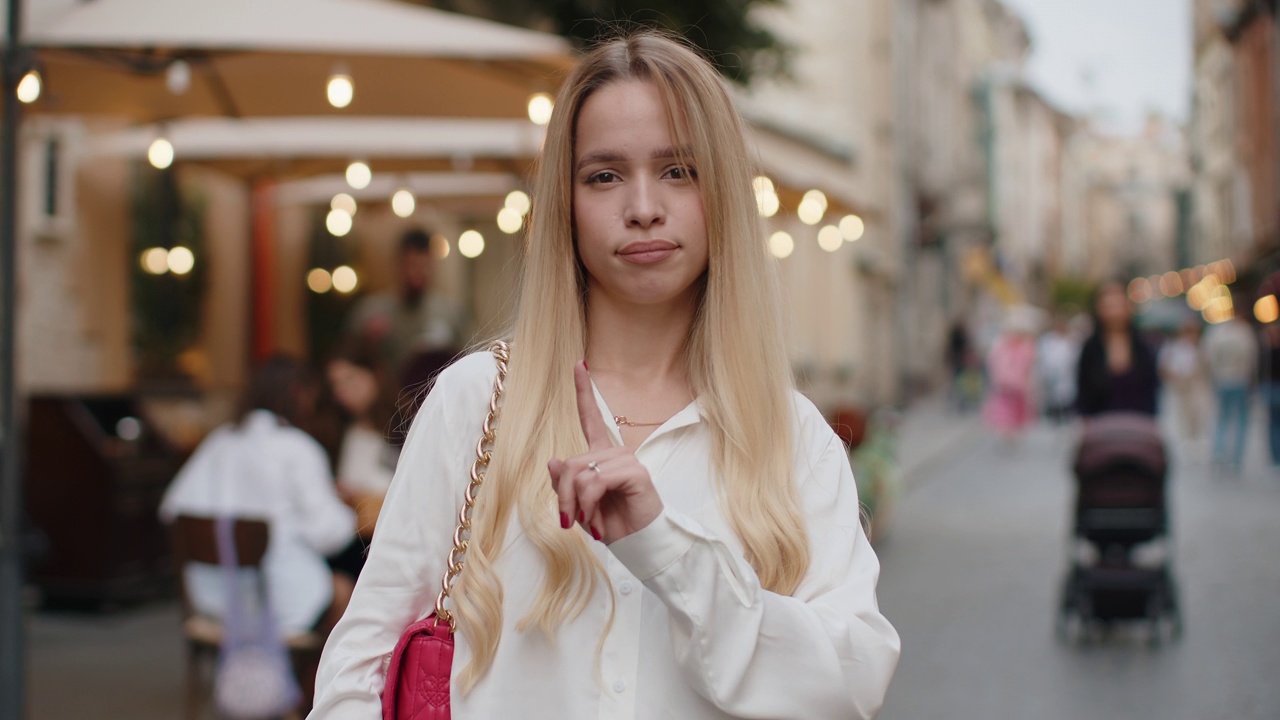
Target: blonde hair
736 359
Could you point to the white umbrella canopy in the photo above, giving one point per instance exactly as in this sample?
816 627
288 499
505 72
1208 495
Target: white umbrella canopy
255 58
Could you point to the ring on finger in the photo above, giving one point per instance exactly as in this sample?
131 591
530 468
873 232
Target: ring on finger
593 465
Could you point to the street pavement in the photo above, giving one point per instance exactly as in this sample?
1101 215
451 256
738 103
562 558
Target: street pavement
972 564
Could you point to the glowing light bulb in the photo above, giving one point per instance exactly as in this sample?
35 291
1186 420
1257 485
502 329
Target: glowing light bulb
829 238
155 260
29 87
338 222
509 221
519 201
160 154
343 202
319 281
181 260
402 203
852 227
471 244
341 89
810 212
359 175
781 245
540 107
345 279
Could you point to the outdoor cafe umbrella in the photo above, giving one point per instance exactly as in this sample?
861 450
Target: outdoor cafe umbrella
152 60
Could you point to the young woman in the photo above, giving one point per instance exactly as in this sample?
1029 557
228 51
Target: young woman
366 460
1117 371
667 529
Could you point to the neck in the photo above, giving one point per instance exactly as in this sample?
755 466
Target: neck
638 342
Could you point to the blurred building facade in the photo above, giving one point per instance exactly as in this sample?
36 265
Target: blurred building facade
1126 202
1235 128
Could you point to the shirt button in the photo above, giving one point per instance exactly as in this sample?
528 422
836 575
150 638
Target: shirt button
625 588
619 686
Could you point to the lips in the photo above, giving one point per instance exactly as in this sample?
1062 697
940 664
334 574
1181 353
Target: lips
643 252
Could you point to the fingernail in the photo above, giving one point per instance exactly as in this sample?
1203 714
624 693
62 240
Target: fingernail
595 533
564 521
582 517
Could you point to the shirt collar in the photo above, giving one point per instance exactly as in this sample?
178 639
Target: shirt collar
691 414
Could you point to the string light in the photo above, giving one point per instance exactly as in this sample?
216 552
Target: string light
29 87
181 260
781 244
160 153
471 244
340 90
540 108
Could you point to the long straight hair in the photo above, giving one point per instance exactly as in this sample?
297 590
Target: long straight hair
735 354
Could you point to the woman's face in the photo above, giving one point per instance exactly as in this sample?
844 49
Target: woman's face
1113 308
638 218
354 387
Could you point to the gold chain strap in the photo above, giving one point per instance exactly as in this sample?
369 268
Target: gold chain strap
501 354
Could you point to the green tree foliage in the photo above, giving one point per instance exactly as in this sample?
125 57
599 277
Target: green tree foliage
166 308
327 312
724 29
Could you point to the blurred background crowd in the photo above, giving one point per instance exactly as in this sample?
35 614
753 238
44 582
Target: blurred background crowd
1008 213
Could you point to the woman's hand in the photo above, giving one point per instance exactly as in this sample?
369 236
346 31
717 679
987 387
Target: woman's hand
606 489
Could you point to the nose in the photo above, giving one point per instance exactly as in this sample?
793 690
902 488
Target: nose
644 204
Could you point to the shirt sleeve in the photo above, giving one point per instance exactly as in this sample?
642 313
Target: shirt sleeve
325 523
406 558
826 652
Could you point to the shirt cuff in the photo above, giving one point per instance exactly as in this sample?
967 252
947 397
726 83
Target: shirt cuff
649 551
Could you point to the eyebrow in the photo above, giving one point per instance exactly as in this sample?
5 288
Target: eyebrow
613 156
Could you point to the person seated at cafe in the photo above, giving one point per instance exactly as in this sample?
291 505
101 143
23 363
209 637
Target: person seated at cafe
366 458
263 467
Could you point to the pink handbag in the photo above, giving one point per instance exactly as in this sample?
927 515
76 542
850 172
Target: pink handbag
421 666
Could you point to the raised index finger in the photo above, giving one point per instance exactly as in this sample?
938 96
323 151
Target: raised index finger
588 411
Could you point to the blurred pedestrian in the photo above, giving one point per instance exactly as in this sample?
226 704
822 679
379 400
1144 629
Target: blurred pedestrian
961 361
1011 367
1231 351
1185 372
263 467
1057 355
1271 378
1117 370
413 316
701 577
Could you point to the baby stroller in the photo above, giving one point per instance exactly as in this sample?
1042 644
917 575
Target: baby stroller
1121 567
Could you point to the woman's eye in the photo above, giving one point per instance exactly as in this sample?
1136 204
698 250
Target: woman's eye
682 172
604 176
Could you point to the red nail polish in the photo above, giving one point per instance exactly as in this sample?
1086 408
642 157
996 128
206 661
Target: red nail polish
564 521
595 533
582 518
584 366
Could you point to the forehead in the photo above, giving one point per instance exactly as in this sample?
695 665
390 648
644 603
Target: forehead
627 116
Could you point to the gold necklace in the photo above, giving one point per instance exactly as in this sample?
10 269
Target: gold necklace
622 421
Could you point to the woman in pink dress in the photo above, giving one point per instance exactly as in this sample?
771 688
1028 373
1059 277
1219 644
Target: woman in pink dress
1011 368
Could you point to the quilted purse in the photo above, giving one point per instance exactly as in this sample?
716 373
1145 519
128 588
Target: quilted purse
421 665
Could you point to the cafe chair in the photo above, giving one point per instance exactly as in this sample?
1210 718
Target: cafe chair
194 540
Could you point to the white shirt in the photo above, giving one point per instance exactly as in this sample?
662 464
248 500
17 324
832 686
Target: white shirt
264 470
1231 349
366 461
694 636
